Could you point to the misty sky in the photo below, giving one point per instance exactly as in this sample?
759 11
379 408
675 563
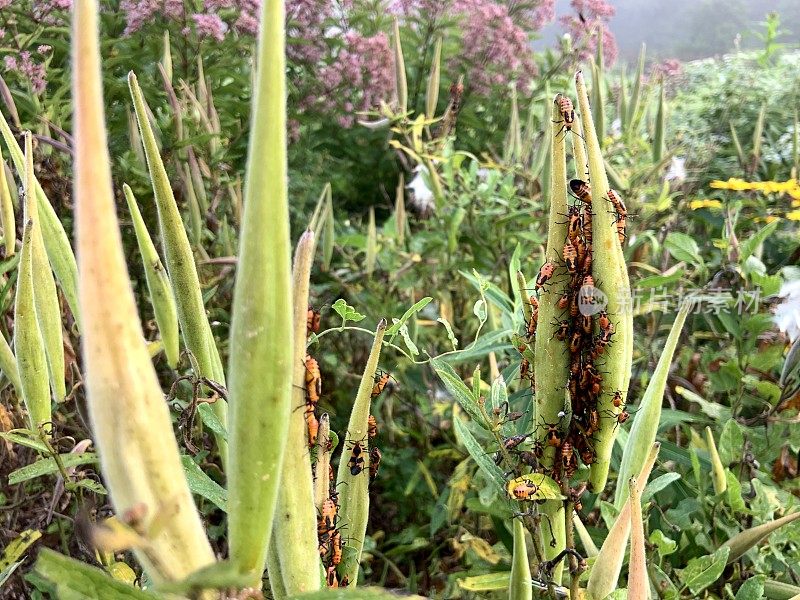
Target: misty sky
688 29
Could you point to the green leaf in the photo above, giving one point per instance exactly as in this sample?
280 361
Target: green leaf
655 281
219 575
202 485
451 336
8 572
27 438
412 347
493 341
88 484
479 309
347 312
703 571
16 548
665 545
548 489
753 241
479 455
712 409
79 580
398 323
499 393
683 247
731 442
752 589
47 466
734 492
351 593
485 583
211 420
459 391
658 484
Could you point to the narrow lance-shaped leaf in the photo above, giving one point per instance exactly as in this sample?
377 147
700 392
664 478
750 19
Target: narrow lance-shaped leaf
130 420
660 127
45 295
519 586
7 211
432 92
353 474
315 222
589 546
28 344
611 274
551 363
598 94
400 217
166 56
262 333
737 145
636 93
749 538
758 134
158 284
329 234
647 417
400 70
608 564
513 142
623 99
181 268
8 366
276 584
718 476
294 533
638 585
56 242
75 579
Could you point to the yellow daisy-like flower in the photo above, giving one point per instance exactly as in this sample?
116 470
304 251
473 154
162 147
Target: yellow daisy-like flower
731 184
767 219
697 204
794 215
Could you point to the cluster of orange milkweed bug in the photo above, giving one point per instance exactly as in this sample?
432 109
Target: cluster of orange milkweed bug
586 332
313 385
329 537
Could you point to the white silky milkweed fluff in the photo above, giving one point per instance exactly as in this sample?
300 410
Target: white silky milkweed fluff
787 312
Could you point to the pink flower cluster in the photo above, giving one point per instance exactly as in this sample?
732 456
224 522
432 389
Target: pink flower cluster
363 71
139 13
496 50
667 68
592 15
216 19
51 12
495 36
29 68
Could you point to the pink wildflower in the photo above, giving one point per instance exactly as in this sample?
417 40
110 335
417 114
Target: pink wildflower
210 25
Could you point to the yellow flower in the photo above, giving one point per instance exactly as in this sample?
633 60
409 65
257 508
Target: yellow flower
794 215
767 219
731 184
695 204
